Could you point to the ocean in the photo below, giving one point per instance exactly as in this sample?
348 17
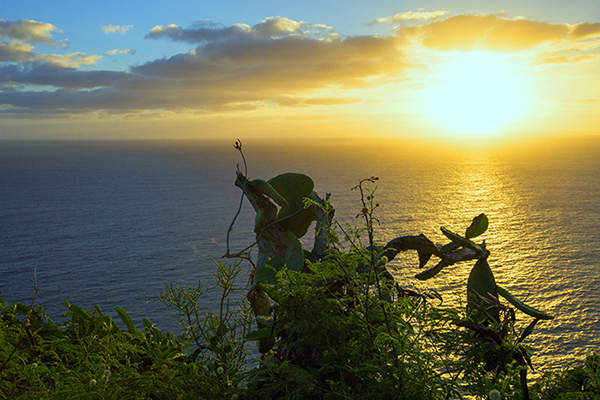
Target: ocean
110 223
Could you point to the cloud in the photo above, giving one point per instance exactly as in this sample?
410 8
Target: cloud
273 27
565 60
118 51
293 101
15 51
251 62
202 32
238 67
30 31
73 60
410 16
60 77
485 32
120 29
276 62
585 30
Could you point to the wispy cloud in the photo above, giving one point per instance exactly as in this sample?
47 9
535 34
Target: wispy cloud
16 51
567 60
120 29
118 51
585 30
411 16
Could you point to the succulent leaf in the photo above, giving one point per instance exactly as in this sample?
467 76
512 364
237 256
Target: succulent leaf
431 272
522 306
478 226
294 255
461 241
450 247
267 273
292 185
294 188
267 189
423 258
481 289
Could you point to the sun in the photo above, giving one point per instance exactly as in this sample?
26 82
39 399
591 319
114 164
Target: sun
475 95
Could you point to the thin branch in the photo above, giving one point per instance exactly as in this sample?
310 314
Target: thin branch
237 146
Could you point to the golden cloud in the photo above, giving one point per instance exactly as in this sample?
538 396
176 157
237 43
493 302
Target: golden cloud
15 51
120 29
484 32
30 31
585 30
117 51
277 61
565 60
411 16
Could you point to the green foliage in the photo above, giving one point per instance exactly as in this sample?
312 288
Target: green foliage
89 356
578 380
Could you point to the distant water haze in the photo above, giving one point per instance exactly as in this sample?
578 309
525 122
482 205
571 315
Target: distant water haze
109 223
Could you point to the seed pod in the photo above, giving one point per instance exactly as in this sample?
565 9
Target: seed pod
522 306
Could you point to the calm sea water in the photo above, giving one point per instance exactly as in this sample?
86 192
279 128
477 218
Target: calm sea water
107 223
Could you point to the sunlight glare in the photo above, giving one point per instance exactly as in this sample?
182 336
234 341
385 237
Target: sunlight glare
478 95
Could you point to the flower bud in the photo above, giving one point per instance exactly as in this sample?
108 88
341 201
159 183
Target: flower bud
494 395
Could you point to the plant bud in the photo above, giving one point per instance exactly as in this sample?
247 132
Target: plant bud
494 395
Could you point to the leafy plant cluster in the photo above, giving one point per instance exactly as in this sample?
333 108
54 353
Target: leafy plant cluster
330 323
89 357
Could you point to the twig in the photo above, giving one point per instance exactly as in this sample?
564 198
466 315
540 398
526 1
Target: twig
237 146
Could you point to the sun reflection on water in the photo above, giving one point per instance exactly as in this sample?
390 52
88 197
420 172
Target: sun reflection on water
543 209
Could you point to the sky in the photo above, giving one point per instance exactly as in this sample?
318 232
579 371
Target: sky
457 70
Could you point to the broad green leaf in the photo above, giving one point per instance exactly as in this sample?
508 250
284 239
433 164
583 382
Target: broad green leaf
292 185
481 288
294 255
477 227
294 188
126 319
268 273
